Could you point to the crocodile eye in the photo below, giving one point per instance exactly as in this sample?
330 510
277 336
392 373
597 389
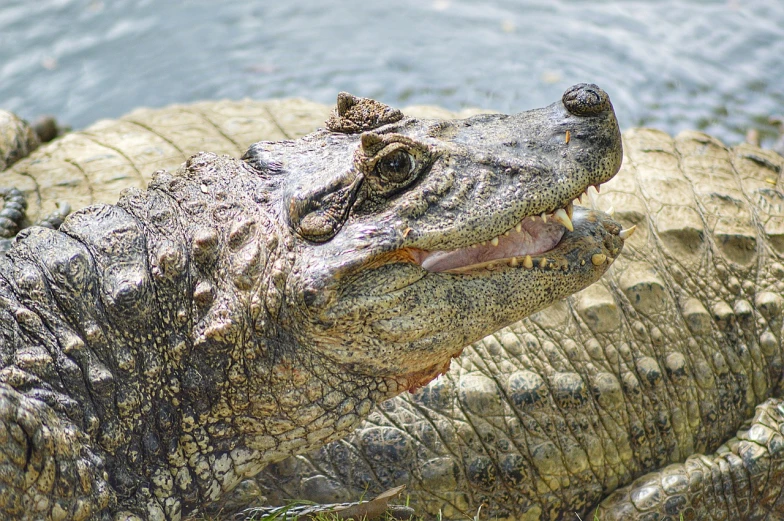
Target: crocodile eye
396 167
390 163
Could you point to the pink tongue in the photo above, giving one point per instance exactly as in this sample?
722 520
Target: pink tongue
535 238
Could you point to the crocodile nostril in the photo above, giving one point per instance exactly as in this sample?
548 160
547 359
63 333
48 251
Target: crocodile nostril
585 99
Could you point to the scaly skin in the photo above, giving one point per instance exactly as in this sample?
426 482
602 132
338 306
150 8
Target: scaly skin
303 481
17 140
664 359
95 164
750 161
156 352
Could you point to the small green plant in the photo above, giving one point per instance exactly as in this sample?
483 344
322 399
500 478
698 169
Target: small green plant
276 514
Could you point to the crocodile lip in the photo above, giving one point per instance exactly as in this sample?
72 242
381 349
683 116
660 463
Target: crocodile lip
533 236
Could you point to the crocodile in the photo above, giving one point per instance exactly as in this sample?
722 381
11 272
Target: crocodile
654 394
158 351
713 257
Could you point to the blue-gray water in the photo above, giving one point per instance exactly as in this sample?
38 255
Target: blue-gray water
713 65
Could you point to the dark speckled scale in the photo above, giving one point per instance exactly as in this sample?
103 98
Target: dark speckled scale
527 390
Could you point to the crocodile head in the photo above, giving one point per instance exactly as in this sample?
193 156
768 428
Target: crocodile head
415 237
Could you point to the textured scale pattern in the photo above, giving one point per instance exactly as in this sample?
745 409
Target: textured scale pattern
12 212
671 355
157 352
122 362
690 320
95 164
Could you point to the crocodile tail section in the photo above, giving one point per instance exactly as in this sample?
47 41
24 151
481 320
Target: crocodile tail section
741 480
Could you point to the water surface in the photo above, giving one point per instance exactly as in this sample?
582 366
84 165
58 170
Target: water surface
712 65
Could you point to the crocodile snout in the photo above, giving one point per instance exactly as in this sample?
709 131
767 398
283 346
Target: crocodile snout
585 99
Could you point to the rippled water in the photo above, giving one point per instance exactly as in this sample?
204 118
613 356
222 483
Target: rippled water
713 65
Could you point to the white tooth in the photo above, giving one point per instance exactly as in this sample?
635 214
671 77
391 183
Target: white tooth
561 217
483 243
625 234
506 233
519 227
544 216
610 211
528 262
494 242
513 262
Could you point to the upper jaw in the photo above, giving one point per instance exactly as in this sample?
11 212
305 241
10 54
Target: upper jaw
496 179
536 242
499 190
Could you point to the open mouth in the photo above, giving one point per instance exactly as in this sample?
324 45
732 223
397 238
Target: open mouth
522 245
